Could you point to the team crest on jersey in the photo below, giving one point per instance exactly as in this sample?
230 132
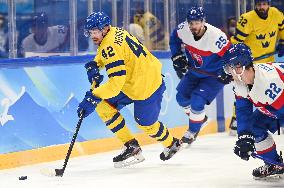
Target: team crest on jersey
198 61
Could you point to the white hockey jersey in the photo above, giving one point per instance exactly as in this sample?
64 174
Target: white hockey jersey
56 36
204 53
267 92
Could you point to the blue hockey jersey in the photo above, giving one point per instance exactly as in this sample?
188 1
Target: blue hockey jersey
205 53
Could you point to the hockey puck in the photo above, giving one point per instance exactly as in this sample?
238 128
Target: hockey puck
23 177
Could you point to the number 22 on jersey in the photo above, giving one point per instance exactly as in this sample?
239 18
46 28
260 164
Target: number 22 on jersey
273 91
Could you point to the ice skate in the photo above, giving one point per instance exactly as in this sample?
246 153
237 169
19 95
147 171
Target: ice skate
171 150
131 154
269 171
190 137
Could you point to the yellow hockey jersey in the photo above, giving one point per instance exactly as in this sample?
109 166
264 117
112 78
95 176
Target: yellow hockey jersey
155 36
259 34
131 68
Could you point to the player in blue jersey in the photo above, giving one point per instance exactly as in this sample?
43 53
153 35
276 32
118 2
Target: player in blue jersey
261 86
204 46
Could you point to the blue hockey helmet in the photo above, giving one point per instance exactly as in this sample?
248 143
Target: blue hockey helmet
258 1
238 55
40 19
195 14
96 20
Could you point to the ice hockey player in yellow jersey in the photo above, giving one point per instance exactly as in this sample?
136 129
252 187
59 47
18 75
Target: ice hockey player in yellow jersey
134 76
260 29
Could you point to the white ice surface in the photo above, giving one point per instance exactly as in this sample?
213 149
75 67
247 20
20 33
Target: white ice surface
209 162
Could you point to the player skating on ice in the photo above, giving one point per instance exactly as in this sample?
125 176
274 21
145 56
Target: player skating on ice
204 46
134 76
260 29
261 86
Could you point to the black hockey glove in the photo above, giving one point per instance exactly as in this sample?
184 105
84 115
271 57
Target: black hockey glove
244 146
225 78
180 64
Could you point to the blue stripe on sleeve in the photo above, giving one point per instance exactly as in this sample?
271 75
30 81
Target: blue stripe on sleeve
118 73
238 32
114 64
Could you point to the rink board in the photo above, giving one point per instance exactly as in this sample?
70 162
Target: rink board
58 152
38 111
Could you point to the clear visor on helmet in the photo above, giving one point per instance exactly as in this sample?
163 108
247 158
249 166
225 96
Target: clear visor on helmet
234 68
88 32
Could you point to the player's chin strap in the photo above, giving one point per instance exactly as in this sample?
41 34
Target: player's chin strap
103 35
239 75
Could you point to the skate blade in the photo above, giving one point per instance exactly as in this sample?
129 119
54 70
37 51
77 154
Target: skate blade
272 178
130 161
48 172
185 146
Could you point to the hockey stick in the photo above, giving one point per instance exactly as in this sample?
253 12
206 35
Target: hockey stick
202 72
265 56
254 155
60 172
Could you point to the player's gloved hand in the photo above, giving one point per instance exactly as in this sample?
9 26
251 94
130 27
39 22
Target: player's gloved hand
180 64
280 49
225 78
88 105
93 73
244 146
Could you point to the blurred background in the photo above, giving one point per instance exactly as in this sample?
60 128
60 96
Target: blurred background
150 20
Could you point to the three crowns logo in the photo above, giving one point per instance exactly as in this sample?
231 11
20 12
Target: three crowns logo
260 36
272 34
265 45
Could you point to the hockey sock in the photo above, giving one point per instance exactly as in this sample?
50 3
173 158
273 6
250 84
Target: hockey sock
159 132
114 121
196 120
267 148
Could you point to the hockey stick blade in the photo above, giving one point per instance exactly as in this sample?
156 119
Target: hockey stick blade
60 172
48 172
254 155
52 172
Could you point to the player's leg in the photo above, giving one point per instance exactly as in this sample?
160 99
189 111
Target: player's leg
183 97
202 95
197 118
265 145
108 112
233 122
146 114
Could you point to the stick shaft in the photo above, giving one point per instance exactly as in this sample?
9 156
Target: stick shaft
60 172
267 160
265 56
